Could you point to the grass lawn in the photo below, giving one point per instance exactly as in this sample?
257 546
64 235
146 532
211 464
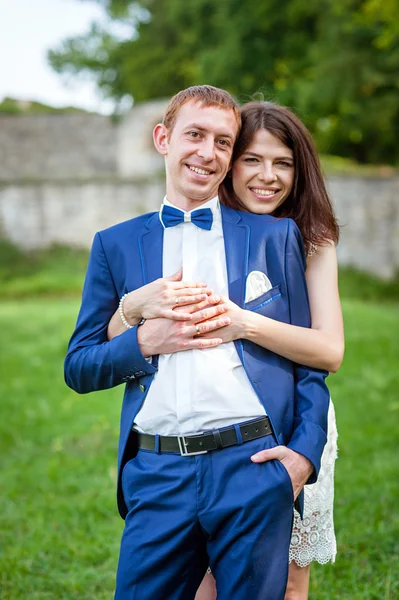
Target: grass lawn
59 528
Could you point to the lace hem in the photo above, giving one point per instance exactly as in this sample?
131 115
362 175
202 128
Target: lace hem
313 539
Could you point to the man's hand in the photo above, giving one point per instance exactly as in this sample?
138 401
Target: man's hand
298 466
164 336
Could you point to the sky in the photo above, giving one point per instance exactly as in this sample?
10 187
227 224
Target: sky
28 28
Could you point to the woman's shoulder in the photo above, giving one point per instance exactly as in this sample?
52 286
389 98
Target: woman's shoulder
321 257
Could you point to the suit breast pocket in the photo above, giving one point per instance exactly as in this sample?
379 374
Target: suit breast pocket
264 299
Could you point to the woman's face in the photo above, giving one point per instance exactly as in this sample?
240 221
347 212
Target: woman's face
264 175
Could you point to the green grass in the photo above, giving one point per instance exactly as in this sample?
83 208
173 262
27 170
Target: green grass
59 528
59 271
355 285
49 272
365 393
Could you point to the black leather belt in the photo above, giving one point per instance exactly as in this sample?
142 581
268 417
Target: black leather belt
189 445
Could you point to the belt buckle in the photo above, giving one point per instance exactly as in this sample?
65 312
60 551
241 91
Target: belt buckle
181 440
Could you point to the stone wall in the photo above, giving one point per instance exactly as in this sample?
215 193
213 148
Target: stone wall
56 146
368 212
63 177
37 215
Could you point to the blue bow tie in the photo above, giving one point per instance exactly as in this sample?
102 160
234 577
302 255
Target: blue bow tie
202 218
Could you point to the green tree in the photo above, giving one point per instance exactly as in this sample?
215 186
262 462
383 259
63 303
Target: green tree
335 61
351 91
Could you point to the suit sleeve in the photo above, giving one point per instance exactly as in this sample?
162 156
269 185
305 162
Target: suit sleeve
92 362
312 397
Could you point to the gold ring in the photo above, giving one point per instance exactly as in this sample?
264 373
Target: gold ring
177 301
197 329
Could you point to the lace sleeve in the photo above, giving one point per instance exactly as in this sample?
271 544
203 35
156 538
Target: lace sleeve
312 250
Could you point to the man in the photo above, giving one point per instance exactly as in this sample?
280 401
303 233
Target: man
191 420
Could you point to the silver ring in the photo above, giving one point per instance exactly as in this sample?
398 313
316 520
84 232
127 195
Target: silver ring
197 329
177 301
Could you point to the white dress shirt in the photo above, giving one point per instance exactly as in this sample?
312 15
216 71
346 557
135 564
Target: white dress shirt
196 390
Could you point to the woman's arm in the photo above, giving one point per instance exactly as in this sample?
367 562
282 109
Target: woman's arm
158 299
322 346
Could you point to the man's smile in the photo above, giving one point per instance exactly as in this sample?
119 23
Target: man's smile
202 171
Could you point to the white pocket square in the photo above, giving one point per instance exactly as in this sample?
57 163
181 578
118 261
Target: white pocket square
257 284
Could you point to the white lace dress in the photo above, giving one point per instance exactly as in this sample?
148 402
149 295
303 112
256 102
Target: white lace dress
313 538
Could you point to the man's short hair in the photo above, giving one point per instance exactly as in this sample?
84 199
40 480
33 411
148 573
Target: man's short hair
206 95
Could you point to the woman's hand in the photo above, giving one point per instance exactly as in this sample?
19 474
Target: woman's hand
164 336
239 321
161 297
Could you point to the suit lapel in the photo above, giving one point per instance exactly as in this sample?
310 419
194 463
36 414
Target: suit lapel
236 242
151 250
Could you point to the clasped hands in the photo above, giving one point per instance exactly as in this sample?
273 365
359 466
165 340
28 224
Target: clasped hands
182 316
188 315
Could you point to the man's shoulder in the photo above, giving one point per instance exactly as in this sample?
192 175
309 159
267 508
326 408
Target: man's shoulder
130 227
282 225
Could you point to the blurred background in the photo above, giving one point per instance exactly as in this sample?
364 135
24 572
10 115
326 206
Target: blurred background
82 84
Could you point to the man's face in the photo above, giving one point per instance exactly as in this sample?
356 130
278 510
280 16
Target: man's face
198 153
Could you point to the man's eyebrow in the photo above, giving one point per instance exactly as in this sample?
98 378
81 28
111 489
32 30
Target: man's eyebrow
202 128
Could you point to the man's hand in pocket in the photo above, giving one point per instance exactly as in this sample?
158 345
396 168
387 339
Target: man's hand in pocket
299 468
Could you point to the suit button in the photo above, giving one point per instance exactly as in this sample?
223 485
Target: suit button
142 387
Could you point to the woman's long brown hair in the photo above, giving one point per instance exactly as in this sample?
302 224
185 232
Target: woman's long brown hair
308 203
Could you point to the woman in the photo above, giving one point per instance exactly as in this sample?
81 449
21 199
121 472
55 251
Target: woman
276 171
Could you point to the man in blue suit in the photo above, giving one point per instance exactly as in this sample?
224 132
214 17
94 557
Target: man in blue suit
193 415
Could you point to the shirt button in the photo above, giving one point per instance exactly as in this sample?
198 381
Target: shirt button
142 387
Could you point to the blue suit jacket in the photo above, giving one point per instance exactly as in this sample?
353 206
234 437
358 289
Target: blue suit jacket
129 255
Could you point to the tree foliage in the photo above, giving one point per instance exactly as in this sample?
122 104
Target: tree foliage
12 106
336 62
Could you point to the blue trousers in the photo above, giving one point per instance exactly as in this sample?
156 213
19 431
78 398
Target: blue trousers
217 509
